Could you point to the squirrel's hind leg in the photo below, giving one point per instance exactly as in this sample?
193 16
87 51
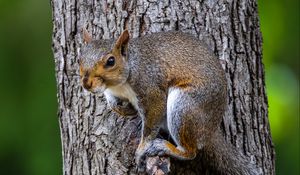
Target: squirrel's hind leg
185 146
182 125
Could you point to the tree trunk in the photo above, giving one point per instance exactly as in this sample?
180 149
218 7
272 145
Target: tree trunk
96 140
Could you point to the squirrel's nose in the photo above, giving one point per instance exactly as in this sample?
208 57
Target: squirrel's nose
86 84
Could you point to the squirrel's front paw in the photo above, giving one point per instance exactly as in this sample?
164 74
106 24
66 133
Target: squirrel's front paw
140 155
124 109
140 160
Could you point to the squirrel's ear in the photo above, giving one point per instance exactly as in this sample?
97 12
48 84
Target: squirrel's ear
122 43
87 38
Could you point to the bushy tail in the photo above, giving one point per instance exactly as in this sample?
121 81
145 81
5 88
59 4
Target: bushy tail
226 159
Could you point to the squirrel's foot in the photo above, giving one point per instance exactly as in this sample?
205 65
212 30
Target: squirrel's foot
156 148
153 148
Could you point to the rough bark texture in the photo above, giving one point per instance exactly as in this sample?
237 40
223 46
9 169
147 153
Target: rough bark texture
97 141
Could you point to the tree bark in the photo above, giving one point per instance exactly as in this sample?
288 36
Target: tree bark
97 141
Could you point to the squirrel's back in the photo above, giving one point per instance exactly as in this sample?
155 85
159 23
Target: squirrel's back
172 47
175 56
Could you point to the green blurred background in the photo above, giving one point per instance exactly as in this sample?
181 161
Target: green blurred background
29 129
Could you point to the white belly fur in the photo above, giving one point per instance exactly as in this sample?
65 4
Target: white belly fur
124 91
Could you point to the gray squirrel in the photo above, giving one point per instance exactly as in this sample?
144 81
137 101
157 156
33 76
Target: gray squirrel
169 79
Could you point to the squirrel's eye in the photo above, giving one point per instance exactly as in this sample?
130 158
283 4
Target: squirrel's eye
110 62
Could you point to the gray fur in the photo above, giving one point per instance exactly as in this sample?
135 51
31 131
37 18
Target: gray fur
157 64
92 52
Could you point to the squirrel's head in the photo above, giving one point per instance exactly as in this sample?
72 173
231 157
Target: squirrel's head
103 63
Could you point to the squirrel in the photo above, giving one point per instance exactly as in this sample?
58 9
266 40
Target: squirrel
168 79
